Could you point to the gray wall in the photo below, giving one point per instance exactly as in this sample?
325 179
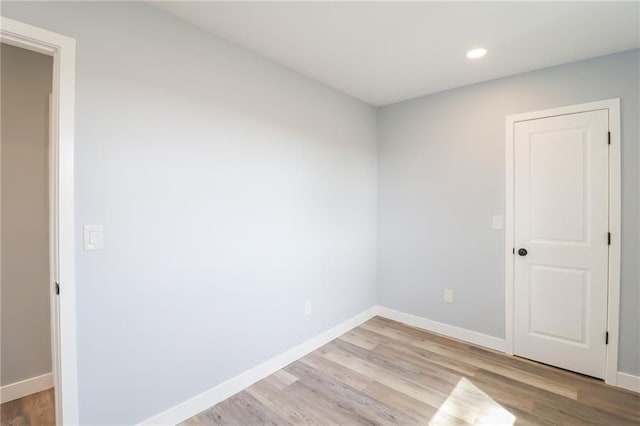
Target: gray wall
24 282
441 178
231 190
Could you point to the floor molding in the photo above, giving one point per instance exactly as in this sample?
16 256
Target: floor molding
201 402
628 381
26 387
452 331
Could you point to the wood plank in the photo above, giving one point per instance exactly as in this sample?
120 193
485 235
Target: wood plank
359 340
327 409
413 407
282 404
337 371
374 411
435 398
281 379
240 409
421 373
460 352
401 347
607 398
35 409
578 414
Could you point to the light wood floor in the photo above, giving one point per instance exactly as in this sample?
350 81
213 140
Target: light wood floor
384 372
35 410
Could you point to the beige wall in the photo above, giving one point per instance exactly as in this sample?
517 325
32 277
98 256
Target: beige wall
25 88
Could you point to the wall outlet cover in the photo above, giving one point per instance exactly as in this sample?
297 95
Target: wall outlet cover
498 221
448 295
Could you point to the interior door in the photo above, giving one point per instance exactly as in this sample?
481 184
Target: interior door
561 240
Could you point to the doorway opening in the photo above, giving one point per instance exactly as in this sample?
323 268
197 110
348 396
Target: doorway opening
26 250
55 217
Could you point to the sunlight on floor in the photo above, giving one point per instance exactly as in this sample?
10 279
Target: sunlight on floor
467 402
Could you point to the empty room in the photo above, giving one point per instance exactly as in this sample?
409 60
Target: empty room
319 213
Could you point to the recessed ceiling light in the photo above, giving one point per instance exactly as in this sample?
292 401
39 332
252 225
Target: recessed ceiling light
476 53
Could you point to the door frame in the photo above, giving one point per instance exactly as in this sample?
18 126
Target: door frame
615 195
61 207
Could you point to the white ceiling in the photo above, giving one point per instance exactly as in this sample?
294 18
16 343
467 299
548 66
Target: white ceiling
385 52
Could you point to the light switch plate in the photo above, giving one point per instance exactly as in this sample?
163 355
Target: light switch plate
93 237
498 221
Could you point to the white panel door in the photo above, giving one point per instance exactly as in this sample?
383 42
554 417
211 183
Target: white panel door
561 240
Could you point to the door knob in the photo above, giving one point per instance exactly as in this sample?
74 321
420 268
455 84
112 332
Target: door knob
522 252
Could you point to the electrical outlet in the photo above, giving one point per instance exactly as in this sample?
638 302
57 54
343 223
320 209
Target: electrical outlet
497 222
307 308
448 295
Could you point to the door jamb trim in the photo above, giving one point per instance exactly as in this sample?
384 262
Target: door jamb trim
61 214
615 195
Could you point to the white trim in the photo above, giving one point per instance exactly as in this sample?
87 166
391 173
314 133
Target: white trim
447 330
629 382
26 387
211 397
613 308
615 227
62 49
509 236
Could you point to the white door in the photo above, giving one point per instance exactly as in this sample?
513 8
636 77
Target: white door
561 240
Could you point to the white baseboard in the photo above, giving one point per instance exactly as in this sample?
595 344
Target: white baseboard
26 387
459 333
628 381
234 385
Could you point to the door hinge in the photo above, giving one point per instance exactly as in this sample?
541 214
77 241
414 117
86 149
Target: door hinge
608 138
609 238
606 338
57 288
